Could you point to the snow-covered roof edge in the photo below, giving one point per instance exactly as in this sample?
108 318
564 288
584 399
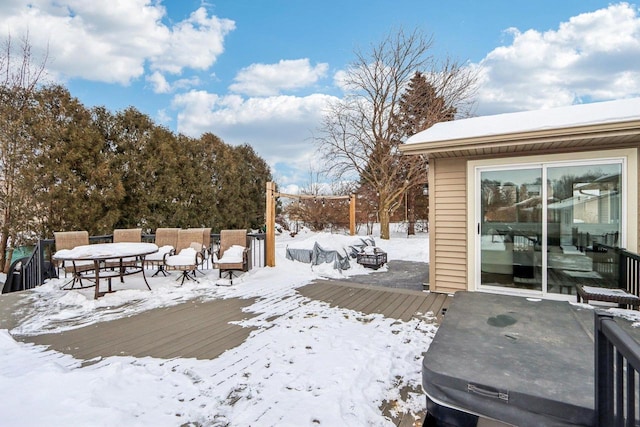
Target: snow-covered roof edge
530 121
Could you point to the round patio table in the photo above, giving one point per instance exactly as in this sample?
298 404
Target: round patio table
100 253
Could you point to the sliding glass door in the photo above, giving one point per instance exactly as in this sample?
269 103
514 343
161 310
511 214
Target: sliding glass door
536 238
510 228
583 210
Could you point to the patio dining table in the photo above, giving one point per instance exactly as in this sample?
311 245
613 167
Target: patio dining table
101 253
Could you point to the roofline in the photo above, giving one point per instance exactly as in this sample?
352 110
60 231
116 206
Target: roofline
625 128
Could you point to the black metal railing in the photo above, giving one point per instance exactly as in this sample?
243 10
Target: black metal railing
619 265
39 266
617 362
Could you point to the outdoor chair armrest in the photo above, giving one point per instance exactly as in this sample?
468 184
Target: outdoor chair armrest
168 254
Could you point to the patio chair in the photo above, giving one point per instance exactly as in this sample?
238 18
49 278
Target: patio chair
166 241
130 235
233 254
204 247
187 257
206 241
127 235
69 240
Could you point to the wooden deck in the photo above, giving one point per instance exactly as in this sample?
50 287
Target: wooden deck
204 329
201 330
402 304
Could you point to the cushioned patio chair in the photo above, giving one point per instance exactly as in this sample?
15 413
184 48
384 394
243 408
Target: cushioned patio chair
166 241
233 255
206 241
130 235
187 256
205 247
127 235
69 240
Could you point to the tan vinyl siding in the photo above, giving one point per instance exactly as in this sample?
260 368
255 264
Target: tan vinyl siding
448 227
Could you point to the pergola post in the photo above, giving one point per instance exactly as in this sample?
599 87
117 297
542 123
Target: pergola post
270 220
352 215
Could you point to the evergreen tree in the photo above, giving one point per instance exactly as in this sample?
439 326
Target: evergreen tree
239 178
419 108
73 183
65 167
252 179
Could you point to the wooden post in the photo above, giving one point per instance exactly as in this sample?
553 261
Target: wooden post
352 215
270 220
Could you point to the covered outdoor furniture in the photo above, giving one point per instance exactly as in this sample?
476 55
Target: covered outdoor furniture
233 254
188 254
335 250
69 240
167 241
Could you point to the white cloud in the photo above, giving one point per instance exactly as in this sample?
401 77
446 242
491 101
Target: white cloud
339 80
159 83
280 128
593 56
194 43
271 79
111 42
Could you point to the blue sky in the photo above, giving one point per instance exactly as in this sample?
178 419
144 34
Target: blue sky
260 72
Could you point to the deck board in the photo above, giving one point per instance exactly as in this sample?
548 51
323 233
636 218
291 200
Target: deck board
206 329
161 333
369 299
378 304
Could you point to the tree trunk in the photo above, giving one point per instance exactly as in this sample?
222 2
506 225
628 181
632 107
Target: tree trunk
411 208
384 223
3 250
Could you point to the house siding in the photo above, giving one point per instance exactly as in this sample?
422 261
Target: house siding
448 225
453 157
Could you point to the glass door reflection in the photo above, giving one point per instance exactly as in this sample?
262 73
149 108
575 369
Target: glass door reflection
584 208
511 228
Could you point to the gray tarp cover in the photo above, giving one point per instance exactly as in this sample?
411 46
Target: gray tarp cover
521 361
319 255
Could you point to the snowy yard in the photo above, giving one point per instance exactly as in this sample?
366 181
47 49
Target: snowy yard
316 366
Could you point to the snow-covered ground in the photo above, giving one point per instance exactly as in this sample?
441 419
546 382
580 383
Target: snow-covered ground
316 366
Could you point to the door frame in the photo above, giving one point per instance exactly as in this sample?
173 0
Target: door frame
629 215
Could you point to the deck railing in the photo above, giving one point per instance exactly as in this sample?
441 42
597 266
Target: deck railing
629 271
32 271
617 363
618 264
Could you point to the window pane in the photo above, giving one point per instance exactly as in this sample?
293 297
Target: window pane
584 208
511 226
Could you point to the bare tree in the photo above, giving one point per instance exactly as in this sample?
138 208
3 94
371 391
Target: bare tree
315 206
19 77
360 134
